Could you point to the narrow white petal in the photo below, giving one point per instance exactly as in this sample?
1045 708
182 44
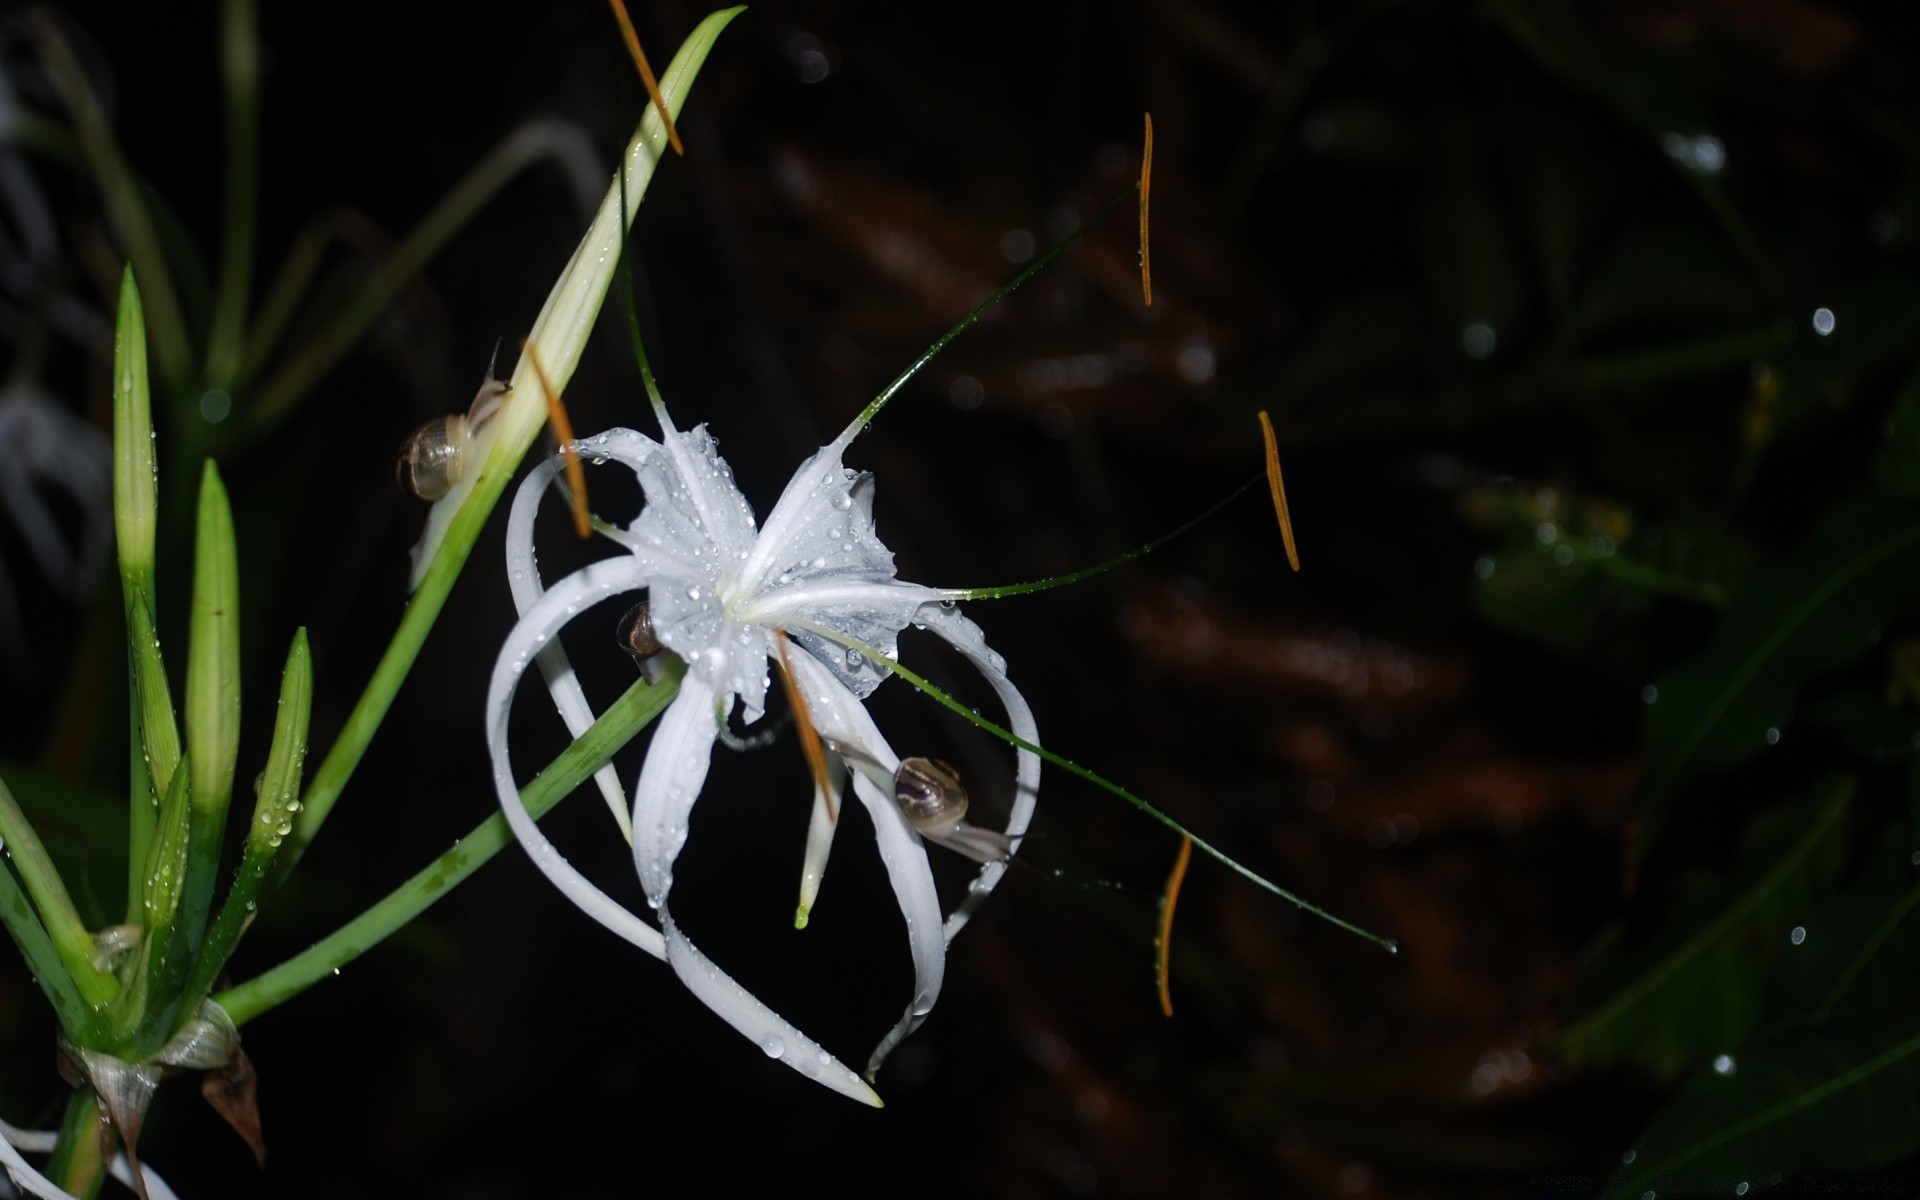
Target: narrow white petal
523 577
963 635
841 718
820 827
538 626
670 780
763 1027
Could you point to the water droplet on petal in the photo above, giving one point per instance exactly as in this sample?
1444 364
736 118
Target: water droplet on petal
774 1047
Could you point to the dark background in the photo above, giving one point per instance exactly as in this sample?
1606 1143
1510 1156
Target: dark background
1430 239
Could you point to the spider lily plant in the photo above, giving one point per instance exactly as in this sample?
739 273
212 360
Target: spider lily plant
135 1000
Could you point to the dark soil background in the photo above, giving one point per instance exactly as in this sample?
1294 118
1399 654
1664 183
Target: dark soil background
1434 241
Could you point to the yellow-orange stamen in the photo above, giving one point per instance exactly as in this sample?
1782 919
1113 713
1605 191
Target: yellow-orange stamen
1146 185
1164 942
810 745
646 73
563 430
1279 489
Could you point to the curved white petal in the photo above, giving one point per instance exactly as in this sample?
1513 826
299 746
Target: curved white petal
669 784
766 1029
963 635
670 780
536 628
841 718
31 1181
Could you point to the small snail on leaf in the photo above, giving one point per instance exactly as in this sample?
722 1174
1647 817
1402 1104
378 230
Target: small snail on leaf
929 792
436 456
635 633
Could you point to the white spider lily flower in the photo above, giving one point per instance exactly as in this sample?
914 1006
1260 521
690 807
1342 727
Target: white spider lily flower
813 588
30 1182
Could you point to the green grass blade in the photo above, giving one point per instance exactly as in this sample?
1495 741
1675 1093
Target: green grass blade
125 203
240 79
146 1005
65 930
49 971
213 697
638 706
272 819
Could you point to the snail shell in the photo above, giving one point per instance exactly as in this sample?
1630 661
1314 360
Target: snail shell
635 633
436 456
929 792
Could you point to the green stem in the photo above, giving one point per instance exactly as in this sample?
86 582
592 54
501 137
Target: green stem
240 73
23 924
1013 739
82 1151
520 149
122 193
1042 585
65 929
615 727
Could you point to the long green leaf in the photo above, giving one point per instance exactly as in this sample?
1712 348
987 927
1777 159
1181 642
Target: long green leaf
1815 610
273 813
1827 1099
23 925
1705 994
53 906
213 698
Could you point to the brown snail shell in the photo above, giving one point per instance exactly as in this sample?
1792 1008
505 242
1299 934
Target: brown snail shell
635 633
929 792
436 456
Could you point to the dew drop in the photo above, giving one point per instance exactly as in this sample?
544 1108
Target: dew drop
774 1047
1723 1064
1797 934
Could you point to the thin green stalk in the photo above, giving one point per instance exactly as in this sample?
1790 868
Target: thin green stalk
1008 736
240 76
940 343
23 924
520 149
84 1147
295 276
614 728
453 526
122 191
65 929
1042 585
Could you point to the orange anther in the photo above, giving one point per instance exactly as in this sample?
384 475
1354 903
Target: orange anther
810 746
646 73
563 430
1164 942
1146 185
1279 489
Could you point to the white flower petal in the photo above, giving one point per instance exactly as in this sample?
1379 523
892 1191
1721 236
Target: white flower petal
689 540
963 635
820 828
841 718
670 780
737 1007
523 578
31 1181
535 629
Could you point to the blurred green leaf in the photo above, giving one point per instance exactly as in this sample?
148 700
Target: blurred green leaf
1868 723
1831 1098
83 828
1814 610
1705 993
1860 958
1896 469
